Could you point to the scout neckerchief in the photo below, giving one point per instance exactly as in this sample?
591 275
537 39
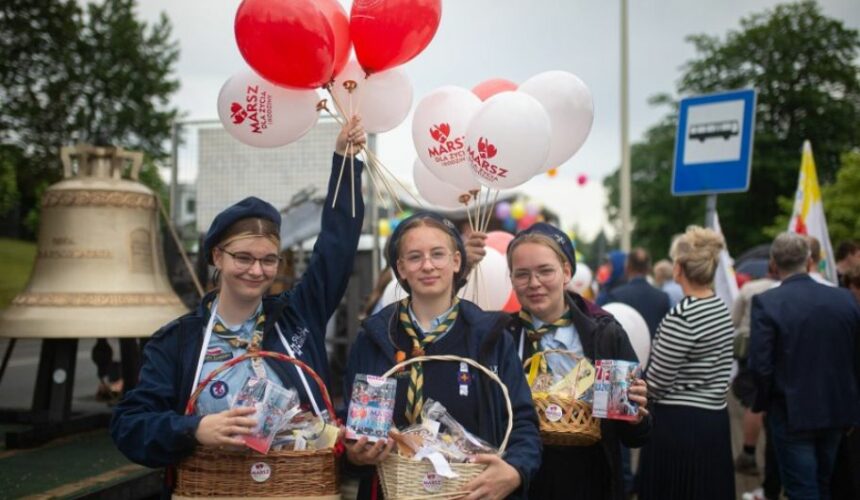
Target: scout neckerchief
535 334
237 342
414 395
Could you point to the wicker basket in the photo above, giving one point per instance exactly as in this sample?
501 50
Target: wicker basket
215 472
564 421
406 479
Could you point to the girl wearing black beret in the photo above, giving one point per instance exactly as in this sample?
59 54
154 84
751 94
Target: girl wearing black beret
542 261
427 256
243 243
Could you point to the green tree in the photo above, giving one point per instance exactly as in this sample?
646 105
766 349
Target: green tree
651 174
70 73
842 200
803 66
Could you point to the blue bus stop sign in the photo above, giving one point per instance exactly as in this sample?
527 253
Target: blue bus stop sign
713 144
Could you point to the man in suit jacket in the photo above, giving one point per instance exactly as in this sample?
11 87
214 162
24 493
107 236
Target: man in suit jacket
805 358
637 293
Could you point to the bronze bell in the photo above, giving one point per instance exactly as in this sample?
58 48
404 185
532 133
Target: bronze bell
99 268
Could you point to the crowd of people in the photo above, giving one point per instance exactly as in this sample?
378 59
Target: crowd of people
795 341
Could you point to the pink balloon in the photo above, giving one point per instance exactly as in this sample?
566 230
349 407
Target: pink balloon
499 240
493 86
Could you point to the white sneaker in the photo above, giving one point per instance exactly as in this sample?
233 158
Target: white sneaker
756 494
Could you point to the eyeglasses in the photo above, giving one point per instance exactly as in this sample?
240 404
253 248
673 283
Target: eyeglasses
245 260
522 277
438 259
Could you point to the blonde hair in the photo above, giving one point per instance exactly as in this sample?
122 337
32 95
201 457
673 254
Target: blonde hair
540 239
697 251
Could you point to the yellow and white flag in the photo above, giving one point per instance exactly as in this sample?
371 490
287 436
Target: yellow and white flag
808 214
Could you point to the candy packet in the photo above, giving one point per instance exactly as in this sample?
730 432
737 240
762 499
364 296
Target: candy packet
274 405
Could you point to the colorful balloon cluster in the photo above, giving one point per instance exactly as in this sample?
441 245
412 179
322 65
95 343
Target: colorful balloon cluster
297 46
387 226
518 215
499 135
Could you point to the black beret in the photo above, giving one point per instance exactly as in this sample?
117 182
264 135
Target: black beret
249 208
556 234
391 248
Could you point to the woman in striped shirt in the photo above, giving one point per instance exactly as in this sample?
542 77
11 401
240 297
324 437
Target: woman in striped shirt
690 454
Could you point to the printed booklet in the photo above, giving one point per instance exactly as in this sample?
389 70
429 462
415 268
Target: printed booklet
371 408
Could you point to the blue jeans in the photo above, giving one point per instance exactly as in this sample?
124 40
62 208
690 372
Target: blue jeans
805 458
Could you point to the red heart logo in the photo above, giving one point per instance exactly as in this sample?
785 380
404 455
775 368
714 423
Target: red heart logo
485 149
440 132
235 108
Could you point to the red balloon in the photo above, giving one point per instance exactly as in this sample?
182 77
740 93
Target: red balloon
513 304
339 22
288 42
526 222
498 240
582 179
493 86
388 33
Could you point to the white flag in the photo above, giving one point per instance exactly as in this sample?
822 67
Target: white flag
725 284
808 214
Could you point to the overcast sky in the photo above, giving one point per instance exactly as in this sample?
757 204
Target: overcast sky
513 39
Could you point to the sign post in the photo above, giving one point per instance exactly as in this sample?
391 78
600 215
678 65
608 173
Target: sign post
713 146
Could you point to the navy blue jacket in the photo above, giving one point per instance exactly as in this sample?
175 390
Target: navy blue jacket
602 337
648 301
373 353
149 425
804 354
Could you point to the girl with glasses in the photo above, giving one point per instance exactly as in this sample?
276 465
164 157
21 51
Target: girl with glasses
427 256
243 243
542 261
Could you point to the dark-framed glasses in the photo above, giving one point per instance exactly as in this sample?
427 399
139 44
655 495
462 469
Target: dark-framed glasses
244 260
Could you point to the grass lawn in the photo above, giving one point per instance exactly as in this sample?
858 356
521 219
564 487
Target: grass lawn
16 261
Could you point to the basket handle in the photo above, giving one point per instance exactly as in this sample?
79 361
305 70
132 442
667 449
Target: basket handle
192 401
493 377
541 354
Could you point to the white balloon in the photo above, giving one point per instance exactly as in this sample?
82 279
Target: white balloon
393 292
581 280
439 134
570 107
264 115
636 328
488 284
434 190
508 140
383 99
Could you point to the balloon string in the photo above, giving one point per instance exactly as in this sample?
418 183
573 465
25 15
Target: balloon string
374 167
381 165
340 175
491 210
371 173
464 199
336 101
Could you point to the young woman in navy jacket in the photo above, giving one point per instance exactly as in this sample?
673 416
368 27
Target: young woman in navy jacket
149 425
427 256
542 261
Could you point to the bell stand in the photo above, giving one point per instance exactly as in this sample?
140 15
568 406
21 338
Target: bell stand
51 413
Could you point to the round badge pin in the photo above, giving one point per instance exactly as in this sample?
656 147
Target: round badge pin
432 482
553 413
261 472
218 389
